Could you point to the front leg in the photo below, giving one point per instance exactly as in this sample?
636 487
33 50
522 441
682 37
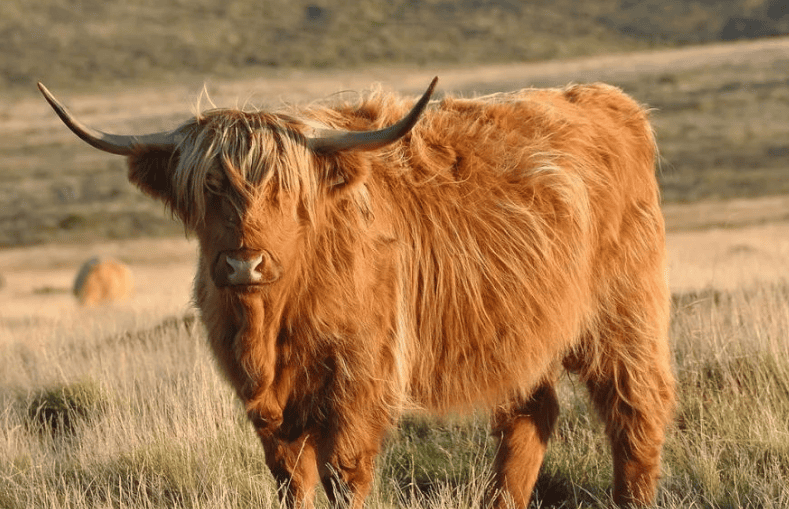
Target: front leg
346 459
348 480
293 465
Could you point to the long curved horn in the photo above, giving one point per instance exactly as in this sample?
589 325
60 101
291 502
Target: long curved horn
112 143
371 140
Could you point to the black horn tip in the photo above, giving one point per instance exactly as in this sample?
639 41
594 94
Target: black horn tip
432 85
371 140
428 93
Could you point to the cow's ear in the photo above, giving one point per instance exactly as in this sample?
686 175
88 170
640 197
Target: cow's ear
151 170
345 171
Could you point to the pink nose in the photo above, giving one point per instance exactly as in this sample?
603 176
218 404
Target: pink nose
246 267
245 271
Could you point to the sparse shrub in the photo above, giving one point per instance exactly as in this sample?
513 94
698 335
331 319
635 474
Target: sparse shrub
57 409
740 27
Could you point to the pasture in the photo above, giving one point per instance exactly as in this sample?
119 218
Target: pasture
122 406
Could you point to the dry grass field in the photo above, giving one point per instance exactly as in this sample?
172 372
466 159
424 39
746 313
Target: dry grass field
121 406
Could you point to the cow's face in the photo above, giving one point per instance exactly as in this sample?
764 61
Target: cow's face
239 183
249 246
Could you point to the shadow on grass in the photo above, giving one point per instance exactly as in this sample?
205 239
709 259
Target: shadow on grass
56 410
551 491
435 460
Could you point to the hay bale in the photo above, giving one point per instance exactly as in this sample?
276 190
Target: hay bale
102 281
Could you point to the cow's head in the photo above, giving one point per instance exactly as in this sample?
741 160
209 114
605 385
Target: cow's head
244 182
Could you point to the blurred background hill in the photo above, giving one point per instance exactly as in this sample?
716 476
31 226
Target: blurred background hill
74 42
720 103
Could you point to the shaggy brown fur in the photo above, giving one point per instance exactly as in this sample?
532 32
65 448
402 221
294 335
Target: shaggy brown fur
102 281
500 240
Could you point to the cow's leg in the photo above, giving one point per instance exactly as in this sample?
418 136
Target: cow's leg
631 384
625 360
524 428
347 484
347 460
636 409
293 465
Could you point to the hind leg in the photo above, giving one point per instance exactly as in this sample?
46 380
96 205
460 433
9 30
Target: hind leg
632 387
524 429
636 413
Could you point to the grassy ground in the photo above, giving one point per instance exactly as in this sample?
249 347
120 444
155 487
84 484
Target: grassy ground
122 407
97 416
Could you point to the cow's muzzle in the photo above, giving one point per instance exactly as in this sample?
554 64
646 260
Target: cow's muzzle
244 268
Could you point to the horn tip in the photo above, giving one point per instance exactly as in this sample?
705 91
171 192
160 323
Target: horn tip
47 95
432 86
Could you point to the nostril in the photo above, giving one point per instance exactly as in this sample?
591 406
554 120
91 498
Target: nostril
270 268
261 266
235 265
256 261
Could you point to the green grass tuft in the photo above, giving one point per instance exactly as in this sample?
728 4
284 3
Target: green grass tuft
59 409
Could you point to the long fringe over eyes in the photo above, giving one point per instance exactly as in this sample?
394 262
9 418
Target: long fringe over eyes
240 156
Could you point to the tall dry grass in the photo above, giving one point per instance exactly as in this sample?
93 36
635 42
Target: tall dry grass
94 415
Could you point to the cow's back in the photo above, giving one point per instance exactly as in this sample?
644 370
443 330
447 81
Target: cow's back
508 212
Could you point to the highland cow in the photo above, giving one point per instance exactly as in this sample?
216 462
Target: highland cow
102 281
461 257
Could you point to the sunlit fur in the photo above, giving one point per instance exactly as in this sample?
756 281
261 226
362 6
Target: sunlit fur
102 281
503 239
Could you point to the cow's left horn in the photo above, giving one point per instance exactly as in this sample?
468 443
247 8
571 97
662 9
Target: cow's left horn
370 140
112 143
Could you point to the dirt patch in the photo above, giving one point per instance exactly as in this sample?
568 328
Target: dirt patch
728 258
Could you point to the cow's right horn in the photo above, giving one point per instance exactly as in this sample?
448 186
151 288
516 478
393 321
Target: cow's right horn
112 143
